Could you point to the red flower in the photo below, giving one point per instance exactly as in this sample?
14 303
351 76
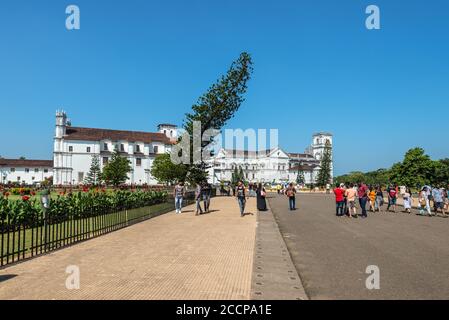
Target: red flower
25 198
33 193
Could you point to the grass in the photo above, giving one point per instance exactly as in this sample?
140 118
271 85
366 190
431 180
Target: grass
29 242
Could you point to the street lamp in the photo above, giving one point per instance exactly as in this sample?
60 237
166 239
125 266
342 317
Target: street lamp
45 202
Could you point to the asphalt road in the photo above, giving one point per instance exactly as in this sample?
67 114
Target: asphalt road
331 253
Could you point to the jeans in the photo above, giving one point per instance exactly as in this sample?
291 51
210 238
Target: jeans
198 205
241 201
178 203
362 202
340 208
292 203
206 201
379 202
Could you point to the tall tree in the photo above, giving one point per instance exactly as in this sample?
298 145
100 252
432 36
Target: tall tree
216 107
441 176
417 169
241 175
117 169
300 180
94 175
166 172
324 175
235 177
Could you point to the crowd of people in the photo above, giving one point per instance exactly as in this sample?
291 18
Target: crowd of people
350 197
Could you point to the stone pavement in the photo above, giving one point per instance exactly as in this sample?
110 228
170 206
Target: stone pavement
275 276
167 257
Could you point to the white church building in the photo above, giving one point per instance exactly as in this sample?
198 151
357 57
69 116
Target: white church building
271 166
75 146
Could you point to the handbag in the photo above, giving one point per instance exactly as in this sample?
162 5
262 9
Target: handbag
263 193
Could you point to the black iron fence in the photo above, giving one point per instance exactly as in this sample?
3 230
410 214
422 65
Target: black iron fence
38 235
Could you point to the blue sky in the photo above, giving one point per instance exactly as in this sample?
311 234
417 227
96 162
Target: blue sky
134 64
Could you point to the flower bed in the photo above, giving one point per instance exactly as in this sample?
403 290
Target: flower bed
85 203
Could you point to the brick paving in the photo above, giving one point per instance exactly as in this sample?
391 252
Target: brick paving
168 257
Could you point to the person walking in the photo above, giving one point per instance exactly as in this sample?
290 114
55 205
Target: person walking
424 204
339 199
198 195
240 195
372 198
179 193
261 201
206 196
351 194
438 201
362 192
446 199
290 192
407 198
392 196
379 199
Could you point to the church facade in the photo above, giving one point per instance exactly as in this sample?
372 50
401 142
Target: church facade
75 146
272 165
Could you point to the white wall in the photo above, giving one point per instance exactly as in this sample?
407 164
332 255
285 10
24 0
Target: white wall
21 176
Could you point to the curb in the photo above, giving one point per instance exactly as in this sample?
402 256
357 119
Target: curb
274 274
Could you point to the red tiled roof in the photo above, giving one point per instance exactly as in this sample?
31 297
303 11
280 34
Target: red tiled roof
302 168
25 163
93 134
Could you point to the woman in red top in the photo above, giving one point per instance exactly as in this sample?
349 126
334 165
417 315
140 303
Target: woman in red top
339 192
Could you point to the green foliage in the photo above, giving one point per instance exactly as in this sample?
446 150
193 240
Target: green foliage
80 204
300 179
324 175
94 175
416 170
165 171
116 171
442 172
214 108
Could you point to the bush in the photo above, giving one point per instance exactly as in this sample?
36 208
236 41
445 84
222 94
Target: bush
77 205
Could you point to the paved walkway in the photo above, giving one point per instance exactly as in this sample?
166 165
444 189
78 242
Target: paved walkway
167 257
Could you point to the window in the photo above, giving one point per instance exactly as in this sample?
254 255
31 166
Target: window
80 176
105 160
156 149
137 148
70 148
13 169
122 147
27 170
18 178
138 162
36 170
46 170
105 146
88 149
171 133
